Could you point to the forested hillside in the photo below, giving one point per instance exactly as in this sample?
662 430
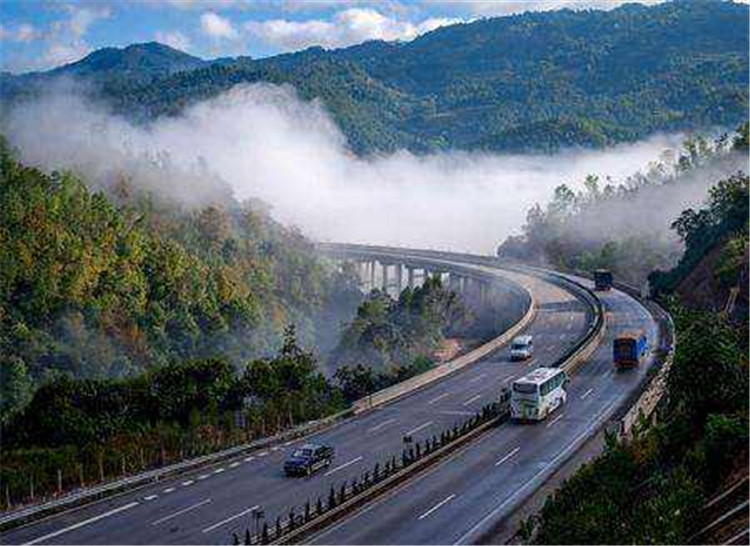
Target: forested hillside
656 485
534 81
625 227
97 285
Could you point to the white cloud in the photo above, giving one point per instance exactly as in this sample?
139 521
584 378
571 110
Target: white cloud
217 27
175 39
350 26
66 38
22 33
265 142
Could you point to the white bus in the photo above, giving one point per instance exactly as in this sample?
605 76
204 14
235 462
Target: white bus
538 394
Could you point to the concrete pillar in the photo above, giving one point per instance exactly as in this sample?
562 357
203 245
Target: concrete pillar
410 276
372 274
399 278
385 278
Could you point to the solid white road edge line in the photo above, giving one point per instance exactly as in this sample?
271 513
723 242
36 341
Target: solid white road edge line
84 522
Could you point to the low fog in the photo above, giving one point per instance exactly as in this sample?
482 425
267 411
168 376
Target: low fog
262 141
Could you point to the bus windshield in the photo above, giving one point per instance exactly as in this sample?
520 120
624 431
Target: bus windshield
525 388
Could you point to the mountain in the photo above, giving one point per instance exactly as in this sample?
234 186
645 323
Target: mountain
140 61
534 81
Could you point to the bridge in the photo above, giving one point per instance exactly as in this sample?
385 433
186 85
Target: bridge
463 499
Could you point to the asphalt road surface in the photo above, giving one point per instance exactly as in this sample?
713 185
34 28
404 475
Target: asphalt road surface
208 505
456 502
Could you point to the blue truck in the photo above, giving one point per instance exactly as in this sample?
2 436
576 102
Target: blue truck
630 349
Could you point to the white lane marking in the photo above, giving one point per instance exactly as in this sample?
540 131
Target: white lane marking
555 420
562 336
168 490
508 456
84 522
202 477
449 412
186 483
381 425
235 464
344 465
477 378
275 448
230 518
150 497
564 453
218 470
438 505
585 394
248 459
420 427
179 512
262 453
439 397
287 444
472 399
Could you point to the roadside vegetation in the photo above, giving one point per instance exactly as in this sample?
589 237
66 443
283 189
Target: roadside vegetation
651 490
135 333
625 227
392 340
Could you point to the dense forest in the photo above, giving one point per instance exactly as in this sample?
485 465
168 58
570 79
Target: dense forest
656 485
533 81
625 227
96 285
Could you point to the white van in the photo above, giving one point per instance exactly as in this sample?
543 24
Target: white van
522 348
538 394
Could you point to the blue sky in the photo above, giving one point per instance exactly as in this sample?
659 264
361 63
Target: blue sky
37 35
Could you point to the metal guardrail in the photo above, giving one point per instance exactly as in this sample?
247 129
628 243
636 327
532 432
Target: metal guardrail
23 515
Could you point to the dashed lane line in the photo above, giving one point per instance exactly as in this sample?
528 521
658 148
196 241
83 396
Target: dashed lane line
585 394
508 456
150 497
420 427
169 490
187 483
472 400
84 522
340 467
438 505
439 397
230 518
555 420
477 378
382 424
180 512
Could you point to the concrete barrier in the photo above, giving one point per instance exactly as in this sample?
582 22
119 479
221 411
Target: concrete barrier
415 383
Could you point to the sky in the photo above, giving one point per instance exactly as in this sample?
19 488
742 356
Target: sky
41 34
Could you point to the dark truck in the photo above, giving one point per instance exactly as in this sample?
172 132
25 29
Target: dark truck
308 459
602 279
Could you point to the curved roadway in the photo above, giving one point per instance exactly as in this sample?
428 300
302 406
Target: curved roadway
208 505
460 500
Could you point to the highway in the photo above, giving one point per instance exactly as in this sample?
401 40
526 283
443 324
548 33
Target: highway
458 501
208 505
